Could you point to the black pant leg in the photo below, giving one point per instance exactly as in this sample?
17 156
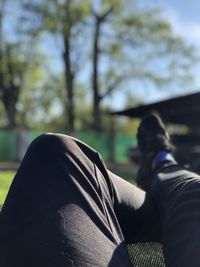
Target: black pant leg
176 192
65 209
136 212
59 210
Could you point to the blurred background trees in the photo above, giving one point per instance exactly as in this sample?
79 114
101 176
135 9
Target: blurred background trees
62 62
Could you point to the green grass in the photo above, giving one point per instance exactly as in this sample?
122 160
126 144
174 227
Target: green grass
6 178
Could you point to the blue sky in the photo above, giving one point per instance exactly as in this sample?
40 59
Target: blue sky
184 16
186 11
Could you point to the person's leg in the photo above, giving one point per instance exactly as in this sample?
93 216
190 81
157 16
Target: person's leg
59 209
136 212
63 206
176 192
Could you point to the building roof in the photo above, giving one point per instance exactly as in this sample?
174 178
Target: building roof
179 110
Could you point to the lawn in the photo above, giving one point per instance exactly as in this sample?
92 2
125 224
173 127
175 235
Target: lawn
6 178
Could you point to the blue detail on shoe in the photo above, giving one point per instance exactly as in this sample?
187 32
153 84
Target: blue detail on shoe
162 156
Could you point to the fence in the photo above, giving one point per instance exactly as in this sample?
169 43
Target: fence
13 144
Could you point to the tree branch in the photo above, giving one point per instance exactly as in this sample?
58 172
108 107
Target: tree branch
112 86
106 14
101 17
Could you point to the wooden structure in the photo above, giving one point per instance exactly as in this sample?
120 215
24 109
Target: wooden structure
180 110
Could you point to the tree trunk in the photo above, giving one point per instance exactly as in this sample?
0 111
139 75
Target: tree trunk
112 141
95 83
11 111
69 81
10 106
99 20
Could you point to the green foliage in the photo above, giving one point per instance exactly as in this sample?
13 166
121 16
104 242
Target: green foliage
55 17
152 45
3 117
13 65
15 58
40 97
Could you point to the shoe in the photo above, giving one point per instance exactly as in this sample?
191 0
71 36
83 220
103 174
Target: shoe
152 138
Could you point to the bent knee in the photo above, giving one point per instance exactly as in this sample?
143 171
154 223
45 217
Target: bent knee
49 145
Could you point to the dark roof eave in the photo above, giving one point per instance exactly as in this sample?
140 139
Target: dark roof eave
180 110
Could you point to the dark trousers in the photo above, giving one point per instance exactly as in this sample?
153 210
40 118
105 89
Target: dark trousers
176 192
64 208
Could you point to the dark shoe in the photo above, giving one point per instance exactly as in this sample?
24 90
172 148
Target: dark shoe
152 138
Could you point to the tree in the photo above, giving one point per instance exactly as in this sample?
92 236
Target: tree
138 47
99 19
42 105
132 46
13 65
11 78
64 20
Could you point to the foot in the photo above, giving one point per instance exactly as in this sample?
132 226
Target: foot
152 138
